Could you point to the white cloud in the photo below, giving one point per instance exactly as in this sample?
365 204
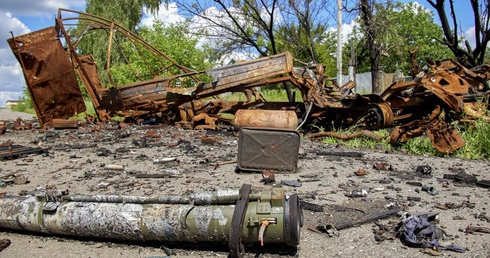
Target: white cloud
12 80
10 23
347 29
470 36
166 14
234 57
11 77
8 95
39 8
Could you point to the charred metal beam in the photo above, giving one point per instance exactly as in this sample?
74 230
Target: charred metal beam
15 151
227 78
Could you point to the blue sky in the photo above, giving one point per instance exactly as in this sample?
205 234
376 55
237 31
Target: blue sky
24 16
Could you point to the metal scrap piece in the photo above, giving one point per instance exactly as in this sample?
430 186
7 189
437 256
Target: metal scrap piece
51 81
443 137
16 151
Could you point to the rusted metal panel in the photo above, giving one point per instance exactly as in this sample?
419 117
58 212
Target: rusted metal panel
273 149
285 119
49 75
151 95
243 73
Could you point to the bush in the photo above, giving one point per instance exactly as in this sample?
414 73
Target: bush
24 107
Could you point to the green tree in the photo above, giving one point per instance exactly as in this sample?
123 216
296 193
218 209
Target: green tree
126 13
413 24
303 28
402 30
326 48
260 27
173 40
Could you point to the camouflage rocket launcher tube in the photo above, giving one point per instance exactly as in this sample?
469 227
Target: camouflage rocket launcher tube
235 216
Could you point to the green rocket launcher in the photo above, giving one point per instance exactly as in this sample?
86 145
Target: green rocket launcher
236 216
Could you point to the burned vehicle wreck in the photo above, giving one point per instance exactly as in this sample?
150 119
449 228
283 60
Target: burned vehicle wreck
429 103
178 92
173 93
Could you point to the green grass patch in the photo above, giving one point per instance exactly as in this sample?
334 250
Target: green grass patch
420 146
476 135
477 138
90 110
24 107
359 142
277 95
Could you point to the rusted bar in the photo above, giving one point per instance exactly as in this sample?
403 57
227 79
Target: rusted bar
335 135
64 124
229 77
372 135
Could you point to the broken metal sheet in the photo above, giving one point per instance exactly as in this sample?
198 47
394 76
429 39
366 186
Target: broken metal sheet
444 138
143 97
50 79
448 84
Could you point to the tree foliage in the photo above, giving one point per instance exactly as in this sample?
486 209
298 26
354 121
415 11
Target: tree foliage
406 35
402 32
303 28
261 28
127 13
173 40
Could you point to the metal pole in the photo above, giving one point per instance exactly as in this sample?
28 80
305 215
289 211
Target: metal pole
339 43
352 63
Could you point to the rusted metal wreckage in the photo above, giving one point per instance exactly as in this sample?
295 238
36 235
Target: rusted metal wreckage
176 93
